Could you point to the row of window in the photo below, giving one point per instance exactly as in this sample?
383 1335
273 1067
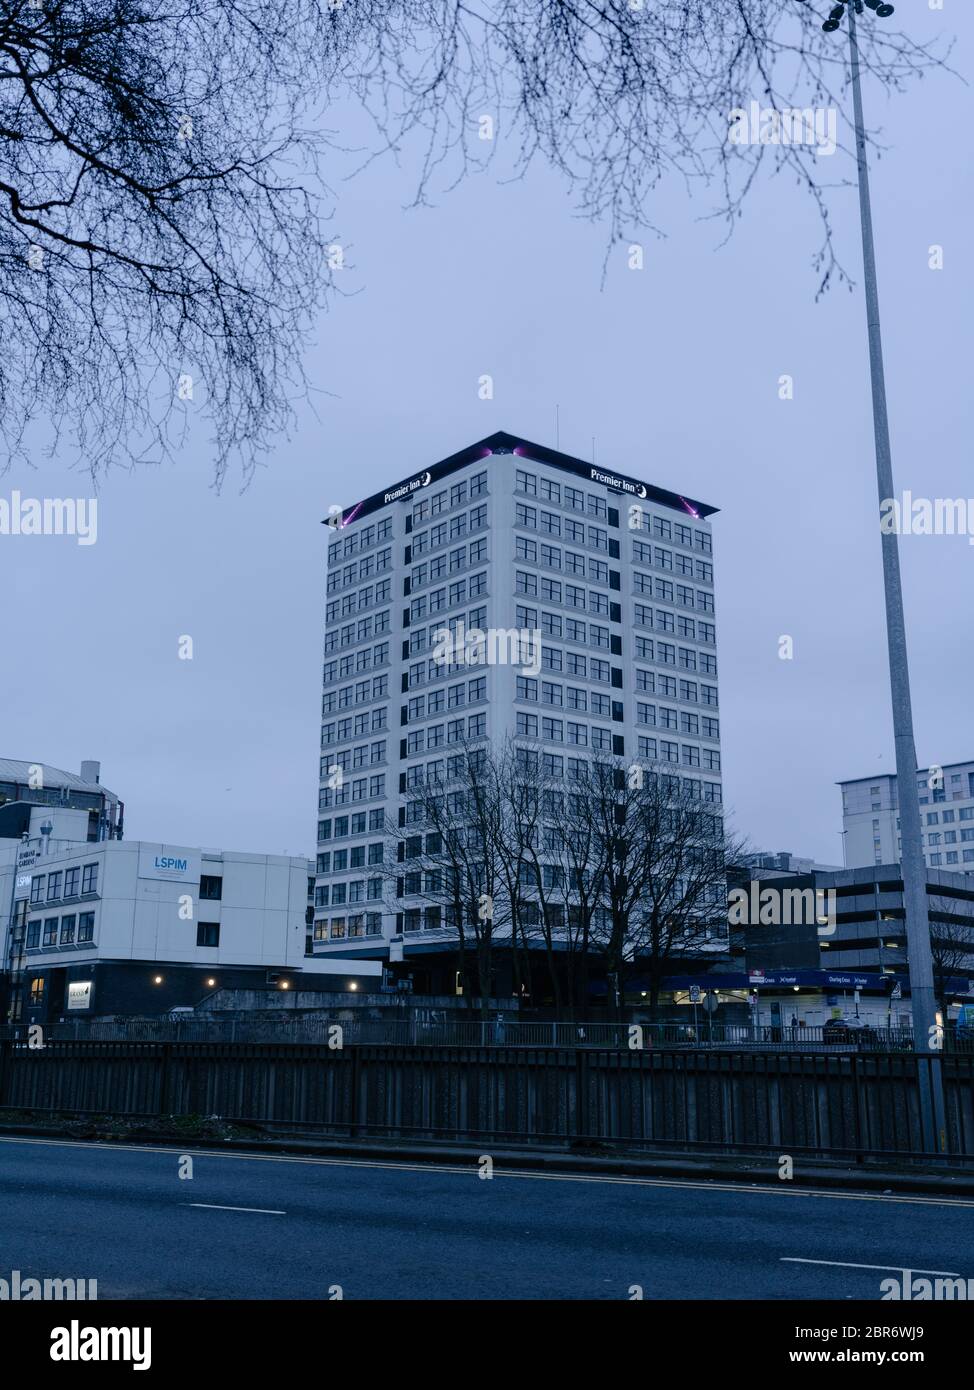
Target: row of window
660 717
339 860
46 933
363 660
455 496
665 654
356 789
668 592
350 634
360 601
688 754
558 625
365 755
67 883
343 826
358 694
469 692
360 539
554 591
359 570
553 730
367 722
945 817
340 928
560 696
357 890
461 625
554 525
568 561
662 590
949 837
656 683
463 524
679 625
562 494
639 519
663 559
450 562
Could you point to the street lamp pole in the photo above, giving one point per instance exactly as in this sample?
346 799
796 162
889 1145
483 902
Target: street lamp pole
927 1029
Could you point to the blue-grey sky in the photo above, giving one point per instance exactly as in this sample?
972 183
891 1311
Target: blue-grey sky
673 370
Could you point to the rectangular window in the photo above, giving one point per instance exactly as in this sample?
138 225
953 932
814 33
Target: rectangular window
208 933
86 926
211 887
89 878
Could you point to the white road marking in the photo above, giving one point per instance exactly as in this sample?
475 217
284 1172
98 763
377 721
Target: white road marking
782 1189
215 1206
847 1264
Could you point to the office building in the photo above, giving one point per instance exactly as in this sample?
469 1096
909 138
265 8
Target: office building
871 823
612 574
94 925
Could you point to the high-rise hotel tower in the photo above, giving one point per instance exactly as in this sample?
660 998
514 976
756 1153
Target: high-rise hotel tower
615 574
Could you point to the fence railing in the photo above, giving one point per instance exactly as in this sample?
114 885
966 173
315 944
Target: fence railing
859 1104
493 1032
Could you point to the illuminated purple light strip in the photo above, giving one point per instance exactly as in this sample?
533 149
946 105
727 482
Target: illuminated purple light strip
347 521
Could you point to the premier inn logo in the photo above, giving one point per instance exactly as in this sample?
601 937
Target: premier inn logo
623 484
405 489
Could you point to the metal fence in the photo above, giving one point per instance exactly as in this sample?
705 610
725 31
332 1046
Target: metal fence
858 1104
493 1032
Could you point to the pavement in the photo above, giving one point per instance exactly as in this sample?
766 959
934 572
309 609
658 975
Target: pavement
148 1224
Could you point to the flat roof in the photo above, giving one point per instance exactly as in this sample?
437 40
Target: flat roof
878 776
503 443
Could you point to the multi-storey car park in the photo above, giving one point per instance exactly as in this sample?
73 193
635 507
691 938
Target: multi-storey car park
617 577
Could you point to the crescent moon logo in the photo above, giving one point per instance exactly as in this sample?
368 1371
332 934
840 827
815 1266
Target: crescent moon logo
642 490
426 479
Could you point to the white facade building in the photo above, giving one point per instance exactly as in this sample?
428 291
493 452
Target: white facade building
91 924
871 827
614 574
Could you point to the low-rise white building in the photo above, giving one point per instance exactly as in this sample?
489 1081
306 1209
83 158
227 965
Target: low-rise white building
96 926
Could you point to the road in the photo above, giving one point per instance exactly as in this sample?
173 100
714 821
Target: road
268 1226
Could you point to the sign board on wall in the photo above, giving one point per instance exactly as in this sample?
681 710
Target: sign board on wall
79 994
171 862
21 886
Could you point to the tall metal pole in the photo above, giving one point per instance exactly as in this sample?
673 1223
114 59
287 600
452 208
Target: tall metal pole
926 1037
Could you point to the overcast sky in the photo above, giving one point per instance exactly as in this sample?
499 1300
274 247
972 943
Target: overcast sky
673 370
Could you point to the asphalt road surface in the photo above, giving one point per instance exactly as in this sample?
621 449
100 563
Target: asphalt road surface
255 1226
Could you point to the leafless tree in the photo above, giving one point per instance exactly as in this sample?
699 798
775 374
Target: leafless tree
161 248
663 871
162 243
951 944
619 95
448 855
